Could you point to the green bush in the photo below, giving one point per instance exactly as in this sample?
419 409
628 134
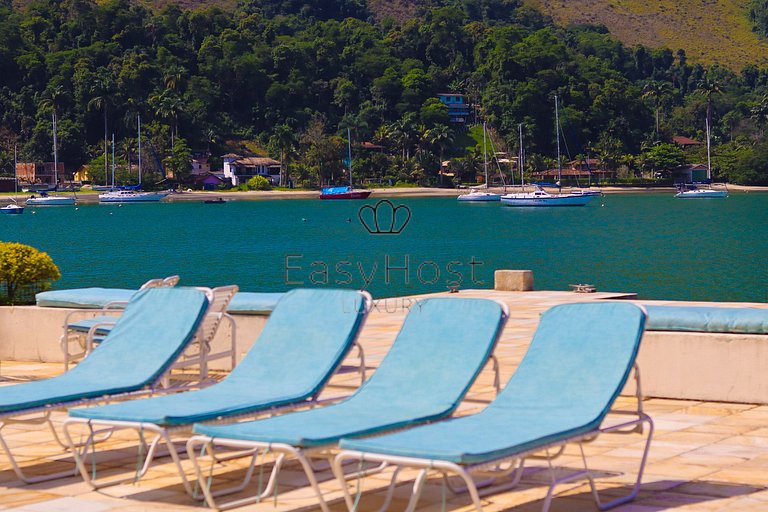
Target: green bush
258 183
24 271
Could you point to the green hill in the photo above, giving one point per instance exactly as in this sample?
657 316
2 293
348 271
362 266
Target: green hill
710 31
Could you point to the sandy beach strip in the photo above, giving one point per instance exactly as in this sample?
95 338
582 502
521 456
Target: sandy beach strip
87 197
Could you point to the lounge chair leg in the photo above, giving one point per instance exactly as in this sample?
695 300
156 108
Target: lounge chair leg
18 471
644 418
418 486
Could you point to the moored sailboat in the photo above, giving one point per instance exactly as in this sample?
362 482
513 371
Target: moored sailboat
705 190
345 192
46 199
13 208
477 194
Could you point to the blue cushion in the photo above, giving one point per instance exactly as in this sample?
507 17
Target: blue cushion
303 342
85 325
151 334
83 298
442 346
707 319
243 303
249 303
576 365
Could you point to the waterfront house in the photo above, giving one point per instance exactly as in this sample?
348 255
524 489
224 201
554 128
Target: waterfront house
34 173
200 163
210 180
458 109
692 173
239 169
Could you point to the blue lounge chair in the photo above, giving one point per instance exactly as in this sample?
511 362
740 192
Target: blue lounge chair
303 343
86 328
578 362
156 327
441 348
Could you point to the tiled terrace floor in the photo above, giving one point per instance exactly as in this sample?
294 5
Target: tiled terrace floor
704 456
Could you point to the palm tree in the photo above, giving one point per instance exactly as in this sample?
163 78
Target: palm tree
168 106
52 99
759 113
441 136
657 92
100 101
709 88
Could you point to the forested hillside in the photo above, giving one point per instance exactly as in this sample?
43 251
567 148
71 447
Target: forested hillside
288 78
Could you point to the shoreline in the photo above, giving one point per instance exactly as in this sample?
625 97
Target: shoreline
260 195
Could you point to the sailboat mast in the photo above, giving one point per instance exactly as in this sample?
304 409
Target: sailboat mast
113 160
349 155
139 125
15 179
709 154
520 162
55 153
485 156
557 136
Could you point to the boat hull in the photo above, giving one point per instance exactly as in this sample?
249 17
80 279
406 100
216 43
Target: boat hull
132 197
355 194
564 200
479 197
12 209
51 201
702 194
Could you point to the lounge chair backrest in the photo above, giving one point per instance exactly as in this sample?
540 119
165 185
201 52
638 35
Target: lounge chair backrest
156 326
219 299
577 363
306 338
442 346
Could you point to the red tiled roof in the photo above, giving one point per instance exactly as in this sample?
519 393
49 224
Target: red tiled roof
685 141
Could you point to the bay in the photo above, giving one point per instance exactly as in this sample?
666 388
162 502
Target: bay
651 244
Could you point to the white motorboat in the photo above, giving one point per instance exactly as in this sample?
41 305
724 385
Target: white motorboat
12 209
132 196
48 200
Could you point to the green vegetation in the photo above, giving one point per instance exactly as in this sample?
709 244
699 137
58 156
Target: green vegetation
288 79
725 32
258 183
24 271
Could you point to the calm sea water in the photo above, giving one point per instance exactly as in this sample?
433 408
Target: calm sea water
654 245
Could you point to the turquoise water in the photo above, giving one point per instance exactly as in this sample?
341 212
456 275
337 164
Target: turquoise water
654 245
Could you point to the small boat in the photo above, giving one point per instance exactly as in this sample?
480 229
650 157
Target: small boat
12 209
48 200
343 193
218 200
132 196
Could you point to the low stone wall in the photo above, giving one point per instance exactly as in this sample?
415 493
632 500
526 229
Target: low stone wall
31 333
705 366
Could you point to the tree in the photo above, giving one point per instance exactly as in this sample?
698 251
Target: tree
24 271
258 183
663 157
657 92
100 98
709 88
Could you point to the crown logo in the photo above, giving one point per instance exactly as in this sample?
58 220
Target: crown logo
384 218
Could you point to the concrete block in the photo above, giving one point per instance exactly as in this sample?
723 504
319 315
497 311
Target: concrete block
513 280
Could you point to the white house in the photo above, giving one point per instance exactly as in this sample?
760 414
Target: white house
239 169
